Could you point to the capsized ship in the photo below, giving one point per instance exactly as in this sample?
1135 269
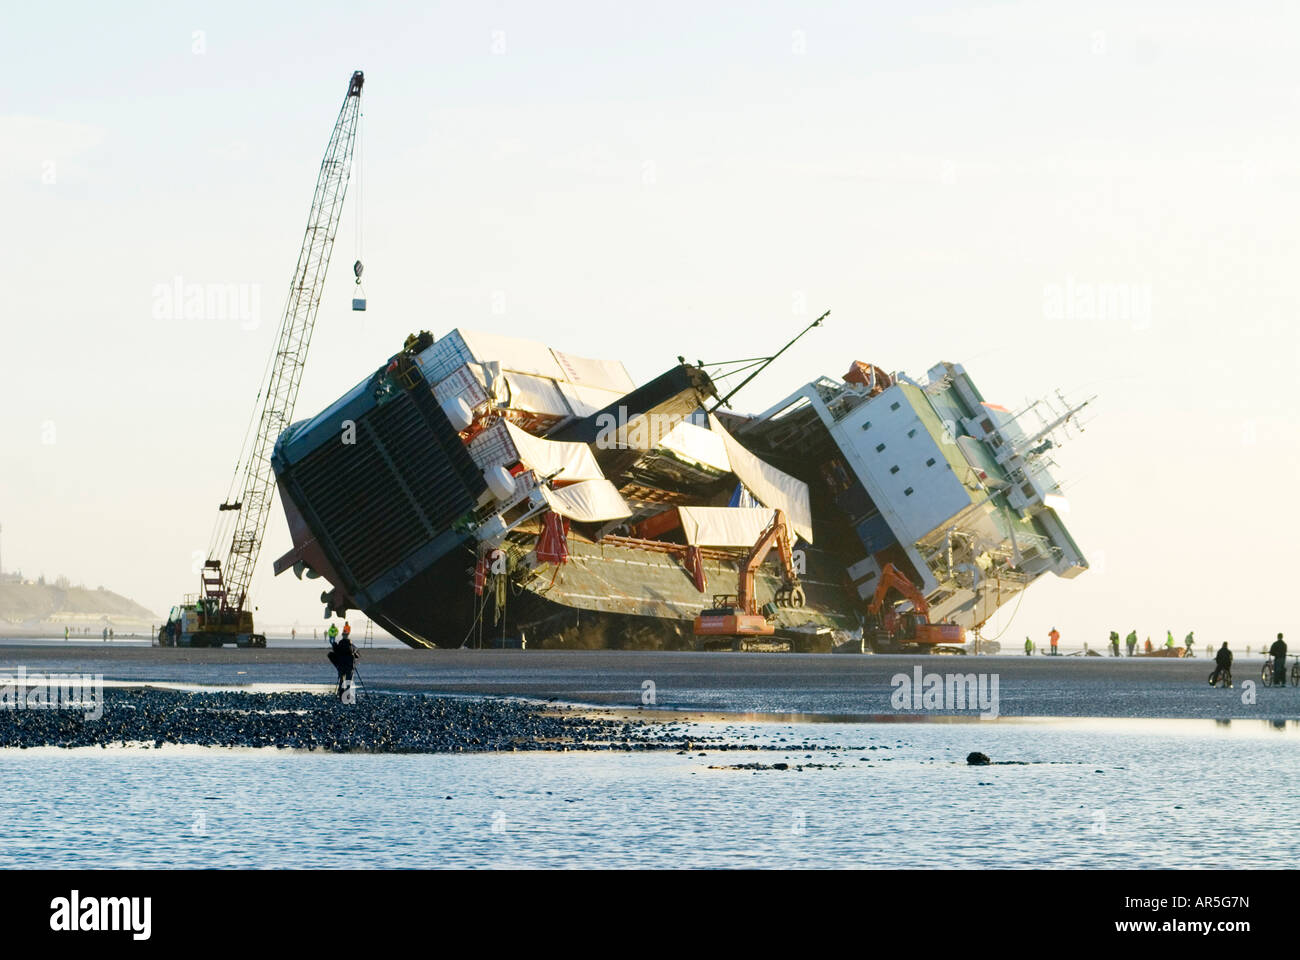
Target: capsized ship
484 490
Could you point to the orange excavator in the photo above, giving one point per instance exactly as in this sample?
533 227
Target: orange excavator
737 617
890 631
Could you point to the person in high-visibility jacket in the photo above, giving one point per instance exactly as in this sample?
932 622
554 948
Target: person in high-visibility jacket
333 633
1169 639
1132 641
1055 638
1114 643
1029 647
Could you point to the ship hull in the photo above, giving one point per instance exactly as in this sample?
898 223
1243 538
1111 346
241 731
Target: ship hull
603 597
482 491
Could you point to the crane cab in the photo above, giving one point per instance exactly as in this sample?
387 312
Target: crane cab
191 623
732 622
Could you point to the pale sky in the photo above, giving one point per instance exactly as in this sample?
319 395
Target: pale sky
639 181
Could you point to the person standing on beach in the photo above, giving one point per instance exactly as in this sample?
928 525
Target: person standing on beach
347 631
1278 653
65 634
333 634
1190 641
1029 647
1114 643
1169 640
1132 641
1055 638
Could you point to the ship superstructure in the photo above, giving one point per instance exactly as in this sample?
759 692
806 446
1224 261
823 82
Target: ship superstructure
928 476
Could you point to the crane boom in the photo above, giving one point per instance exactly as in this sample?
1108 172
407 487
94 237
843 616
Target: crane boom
225 587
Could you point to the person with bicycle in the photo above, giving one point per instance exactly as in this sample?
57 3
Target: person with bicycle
1278 653
1222 666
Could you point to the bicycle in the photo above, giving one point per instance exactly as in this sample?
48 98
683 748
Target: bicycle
1266 672
1221 678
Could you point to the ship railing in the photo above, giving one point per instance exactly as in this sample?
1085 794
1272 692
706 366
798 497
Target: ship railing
840 397
664 546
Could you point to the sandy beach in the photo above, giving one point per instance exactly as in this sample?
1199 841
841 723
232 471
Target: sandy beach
820 686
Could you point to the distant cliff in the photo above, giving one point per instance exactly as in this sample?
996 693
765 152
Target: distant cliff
38 602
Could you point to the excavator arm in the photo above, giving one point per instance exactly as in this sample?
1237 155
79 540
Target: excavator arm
917 626
891 578
776 535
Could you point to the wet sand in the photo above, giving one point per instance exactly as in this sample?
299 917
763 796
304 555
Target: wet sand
843 687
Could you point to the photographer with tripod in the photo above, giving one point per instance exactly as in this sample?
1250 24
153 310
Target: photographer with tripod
344 655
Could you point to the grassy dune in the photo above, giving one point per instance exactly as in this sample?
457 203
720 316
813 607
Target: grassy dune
36 602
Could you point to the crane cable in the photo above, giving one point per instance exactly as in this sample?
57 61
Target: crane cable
358 194
1019 597
224 528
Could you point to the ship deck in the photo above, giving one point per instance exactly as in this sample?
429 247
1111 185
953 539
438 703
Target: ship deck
613 578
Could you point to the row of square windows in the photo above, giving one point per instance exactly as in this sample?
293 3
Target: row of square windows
866 424
928 463
880 447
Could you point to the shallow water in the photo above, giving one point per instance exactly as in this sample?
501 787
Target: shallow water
1188 794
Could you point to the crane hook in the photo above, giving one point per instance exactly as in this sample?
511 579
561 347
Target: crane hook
359 301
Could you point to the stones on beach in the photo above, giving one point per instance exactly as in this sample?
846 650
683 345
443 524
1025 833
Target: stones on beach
977 759
798 768
377 723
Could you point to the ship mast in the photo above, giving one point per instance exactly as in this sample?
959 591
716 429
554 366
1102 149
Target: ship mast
763 363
